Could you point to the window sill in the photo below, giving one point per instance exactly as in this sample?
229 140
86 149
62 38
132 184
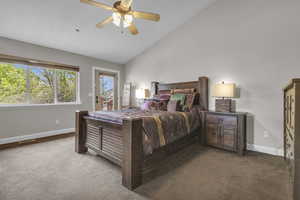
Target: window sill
10 107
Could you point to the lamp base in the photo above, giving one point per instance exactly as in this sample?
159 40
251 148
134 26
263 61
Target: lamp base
225 105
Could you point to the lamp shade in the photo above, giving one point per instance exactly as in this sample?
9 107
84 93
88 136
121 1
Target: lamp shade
142 93
224 90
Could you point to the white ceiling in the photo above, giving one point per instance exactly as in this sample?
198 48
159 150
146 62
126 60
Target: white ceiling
52 23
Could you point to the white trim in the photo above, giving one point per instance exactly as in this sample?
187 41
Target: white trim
59 106
35 136
264 149
33 105
78 99
55 83
27 94
93 84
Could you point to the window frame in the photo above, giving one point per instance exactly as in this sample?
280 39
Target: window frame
31 63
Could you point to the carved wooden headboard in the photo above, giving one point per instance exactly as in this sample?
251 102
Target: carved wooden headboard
201 87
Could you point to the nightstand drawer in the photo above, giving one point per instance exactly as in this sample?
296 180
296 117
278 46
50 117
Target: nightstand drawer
219 119
213 119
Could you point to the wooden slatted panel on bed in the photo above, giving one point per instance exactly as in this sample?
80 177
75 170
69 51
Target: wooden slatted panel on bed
112 143
93 137
105 140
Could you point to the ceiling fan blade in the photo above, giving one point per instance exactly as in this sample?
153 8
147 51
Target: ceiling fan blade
126 3
97 4
133 30
146 15
104 22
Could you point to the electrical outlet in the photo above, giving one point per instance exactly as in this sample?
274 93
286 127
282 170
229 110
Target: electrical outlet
266 134
57 121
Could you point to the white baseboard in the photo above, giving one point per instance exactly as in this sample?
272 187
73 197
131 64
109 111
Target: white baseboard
264 149
35 136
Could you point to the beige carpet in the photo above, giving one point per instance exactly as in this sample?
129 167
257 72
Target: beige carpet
52 170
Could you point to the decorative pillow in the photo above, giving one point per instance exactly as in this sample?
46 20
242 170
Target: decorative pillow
146 106
153 105
178 97
164 97
161 101
163 105
189 102
173 106
156 97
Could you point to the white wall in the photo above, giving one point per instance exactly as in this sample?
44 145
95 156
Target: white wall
254 43
19 121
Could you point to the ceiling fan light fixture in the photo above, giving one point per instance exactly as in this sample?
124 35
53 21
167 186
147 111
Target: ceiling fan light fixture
122 15
127 20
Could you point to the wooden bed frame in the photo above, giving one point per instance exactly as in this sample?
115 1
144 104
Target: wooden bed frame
122 143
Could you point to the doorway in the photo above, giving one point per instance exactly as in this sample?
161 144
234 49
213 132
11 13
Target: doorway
106 90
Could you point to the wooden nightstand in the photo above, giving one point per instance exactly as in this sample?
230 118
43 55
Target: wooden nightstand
226 131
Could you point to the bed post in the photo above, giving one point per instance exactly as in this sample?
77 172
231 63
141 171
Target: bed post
132 154
203 101
80 136
203 90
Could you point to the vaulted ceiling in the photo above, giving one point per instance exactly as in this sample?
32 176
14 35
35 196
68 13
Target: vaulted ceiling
53 23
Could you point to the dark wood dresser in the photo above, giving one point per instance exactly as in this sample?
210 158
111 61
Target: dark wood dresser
226 131
292 134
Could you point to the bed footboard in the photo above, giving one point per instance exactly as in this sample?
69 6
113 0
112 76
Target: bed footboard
120 143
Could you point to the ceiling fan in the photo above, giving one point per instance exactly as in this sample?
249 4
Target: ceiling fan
122 14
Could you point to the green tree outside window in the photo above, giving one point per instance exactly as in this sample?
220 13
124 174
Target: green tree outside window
20 84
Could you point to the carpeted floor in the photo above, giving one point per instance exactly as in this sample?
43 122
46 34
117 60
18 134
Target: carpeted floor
52 170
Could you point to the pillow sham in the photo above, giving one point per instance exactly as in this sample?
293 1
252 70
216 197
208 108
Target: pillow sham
163 105
173 106
178 97
156 97
189 102
159 97
146 105
183 91
155 105
164 97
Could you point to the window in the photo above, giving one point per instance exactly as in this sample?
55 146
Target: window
66 86
106 86
12 83
41 85
28 84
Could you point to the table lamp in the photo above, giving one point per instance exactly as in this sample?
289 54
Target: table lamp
223 93
142 93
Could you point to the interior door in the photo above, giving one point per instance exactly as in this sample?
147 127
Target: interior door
106 91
